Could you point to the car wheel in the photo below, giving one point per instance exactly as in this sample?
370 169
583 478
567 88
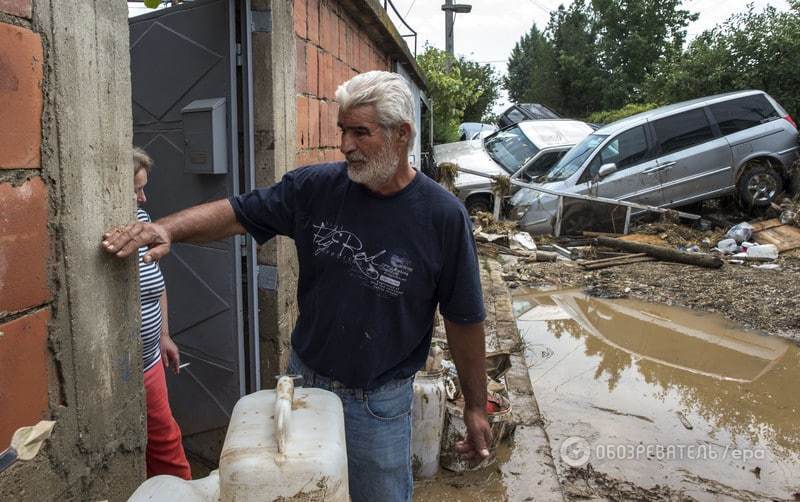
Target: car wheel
479 203
759 185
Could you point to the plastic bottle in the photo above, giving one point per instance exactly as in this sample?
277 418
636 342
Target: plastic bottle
763 252
427 422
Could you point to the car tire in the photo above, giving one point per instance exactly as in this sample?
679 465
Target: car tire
758 185
479 203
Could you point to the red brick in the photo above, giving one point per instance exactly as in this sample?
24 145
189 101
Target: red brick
331 130
339 74
300 76
21 8
330 155
20 97
325 26
301 131
352 47
342 30
334 35
305 157
326 76
325 120
313 21
299 17
24 245
23 373
363 54
312 77
313 123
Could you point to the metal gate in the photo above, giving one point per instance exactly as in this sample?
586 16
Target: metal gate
180 55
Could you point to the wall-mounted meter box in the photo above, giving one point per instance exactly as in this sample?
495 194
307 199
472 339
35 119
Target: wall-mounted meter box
205 137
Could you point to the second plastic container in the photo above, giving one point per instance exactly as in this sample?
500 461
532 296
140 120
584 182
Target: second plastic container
427 423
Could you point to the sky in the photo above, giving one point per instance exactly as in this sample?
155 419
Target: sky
489 32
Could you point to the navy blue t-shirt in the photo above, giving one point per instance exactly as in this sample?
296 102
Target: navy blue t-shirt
372 269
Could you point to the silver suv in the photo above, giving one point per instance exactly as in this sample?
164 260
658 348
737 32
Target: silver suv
741 142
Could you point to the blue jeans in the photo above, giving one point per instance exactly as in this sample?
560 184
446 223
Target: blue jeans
378 435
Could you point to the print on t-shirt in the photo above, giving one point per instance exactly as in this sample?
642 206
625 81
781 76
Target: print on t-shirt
382 271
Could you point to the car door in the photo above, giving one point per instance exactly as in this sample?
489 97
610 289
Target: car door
694 162
633 154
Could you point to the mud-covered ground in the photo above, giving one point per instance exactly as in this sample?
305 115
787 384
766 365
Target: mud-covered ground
768 300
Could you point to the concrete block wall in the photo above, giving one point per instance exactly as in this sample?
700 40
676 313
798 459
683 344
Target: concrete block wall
330 48
69 348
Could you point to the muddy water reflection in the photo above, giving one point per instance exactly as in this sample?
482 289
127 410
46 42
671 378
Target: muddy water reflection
689 400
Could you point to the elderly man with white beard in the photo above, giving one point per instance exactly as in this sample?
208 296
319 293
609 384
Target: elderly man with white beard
379 246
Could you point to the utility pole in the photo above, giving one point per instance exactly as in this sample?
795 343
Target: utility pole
450 9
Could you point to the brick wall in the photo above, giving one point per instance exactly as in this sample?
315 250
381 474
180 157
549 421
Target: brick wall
330 49
24 238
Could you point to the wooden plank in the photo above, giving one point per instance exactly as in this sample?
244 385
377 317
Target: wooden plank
784 237
766 224
613 258
625 261
662 253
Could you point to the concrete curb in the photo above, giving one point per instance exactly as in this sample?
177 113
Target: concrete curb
531 446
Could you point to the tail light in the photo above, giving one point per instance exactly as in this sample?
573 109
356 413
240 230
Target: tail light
790 120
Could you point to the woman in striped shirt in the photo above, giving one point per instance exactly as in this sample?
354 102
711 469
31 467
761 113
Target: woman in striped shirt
164 453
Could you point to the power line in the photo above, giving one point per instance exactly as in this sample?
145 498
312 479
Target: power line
410 7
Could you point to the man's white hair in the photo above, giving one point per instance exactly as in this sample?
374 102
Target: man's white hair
387 91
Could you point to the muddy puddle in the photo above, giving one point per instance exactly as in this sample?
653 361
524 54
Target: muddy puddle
663 398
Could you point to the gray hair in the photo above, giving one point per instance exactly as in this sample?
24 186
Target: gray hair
387 91
141 160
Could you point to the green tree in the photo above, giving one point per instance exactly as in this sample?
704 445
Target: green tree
750 50
488 90
581 79
450 90
532 67
633 37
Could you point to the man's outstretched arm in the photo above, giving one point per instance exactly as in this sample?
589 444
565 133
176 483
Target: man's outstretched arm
204 223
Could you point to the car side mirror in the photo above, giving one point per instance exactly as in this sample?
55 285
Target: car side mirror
607 169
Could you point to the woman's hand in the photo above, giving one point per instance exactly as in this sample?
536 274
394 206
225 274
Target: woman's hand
170 355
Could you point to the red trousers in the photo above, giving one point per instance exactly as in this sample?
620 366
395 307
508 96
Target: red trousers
164 453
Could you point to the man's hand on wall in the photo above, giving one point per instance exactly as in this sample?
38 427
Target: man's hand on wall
125 240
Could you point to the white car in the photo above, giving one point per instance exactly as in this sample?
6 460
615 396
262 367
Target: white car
522 151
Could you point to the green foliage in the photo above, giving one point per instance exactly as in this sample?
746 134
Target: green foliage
610 116
602 54
461 91
751 50
595 55
488 90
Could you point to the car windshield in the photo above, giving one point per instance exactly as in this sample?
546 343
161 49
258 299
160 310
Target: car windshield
510 148
575 158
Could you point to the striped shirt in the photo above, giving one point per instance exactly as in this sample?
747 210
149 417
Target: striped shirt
151 285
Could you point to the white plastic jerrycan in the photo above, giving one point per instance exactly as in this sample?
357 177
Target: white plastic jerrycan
287 444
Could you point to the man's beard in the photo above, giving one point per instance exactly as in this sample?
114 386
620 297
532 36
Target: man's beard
376 171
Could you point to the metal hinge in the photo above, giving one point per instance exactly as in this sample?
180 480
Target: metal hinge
238 54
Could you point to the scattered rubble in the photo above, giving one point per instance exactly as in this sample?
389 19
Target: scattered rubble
757 284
